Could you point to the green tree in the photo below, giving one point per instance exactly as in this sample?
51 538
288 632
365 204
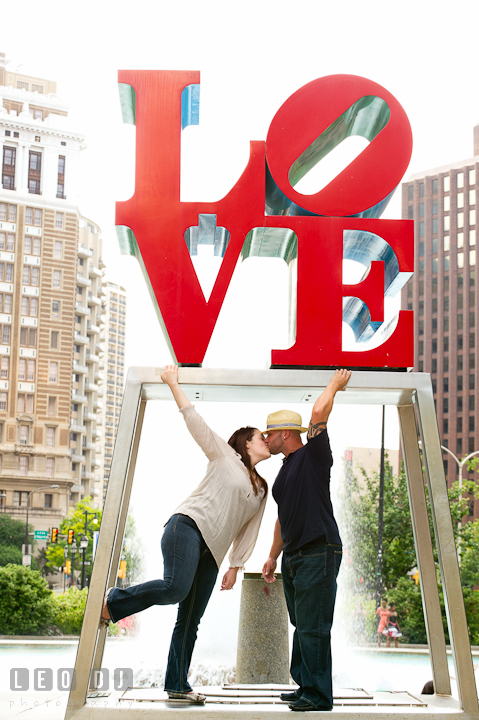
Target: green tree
26 606
361 502
12 537
75 520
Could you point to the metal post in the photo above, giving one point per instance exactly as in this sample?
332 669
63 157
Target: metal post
379 578
424 551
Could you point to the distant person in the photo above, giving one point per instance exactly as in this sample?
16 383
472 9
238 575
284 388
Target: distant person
227 507
393 626
307 534
428 688
383 613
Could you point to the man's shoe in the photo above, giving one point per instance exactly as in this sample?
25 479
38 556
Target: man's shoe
191 697
304 705
289 697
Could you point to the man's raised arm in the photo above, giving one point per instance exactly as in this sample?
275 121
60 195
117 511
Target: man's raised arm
324 404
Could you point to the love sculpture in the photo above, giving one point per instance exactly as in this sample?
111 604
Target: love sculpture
264 216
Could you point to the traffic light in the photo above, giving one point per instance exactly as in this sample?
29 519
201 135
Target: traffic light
54 535
70 536
68 567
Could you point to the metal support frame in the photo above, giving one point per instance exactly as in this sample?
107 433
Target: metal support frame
405 390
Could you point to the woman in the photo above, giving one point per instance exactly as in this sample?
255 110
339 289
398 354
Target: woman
226 507
383 613
392 631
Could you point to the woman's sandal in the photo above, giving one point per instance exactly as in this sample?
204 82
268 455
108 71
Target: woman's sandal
105 622
191 697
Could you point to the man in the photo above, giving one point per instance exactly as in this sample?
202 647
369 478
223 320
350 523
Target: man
308 535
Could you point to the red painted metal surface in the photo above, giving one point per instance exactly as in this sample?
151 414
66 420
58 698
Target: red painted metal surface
159 220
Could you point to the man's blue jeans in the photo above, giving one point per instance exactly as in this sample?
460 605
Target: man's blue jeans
309 581
189 576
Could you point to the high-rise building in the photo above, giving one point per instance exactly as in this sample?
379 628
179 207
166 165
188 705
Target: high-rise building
442 292
114 314
50 308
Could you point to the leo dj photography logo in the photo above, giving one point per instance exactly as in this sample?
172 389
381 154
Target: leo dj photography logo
42 679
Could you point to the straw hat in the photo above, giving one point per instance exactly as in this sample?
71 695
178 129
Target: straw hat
285 420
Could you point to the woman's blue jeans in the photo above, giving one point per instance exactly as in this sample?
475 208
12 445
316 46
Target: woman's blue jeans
309 581
190 573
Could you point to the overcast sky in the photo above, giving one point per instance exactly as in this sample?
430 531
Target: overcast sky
252 56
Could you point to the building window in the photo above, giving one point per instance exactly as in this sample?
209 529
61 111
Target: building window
472 340
20 498
25 402
460 200
50 437
421 190
446 324
472 361
459 425
447 203
445 426
446 364
460 220
28 337
446 183
472 257
460 240
445 384
434 345
421 209
59 221
434 226
58 248
472 402
48 496
447 223
34 173
54 340
459 447
445 406
472 237
446 263
24 434
6 330
459 321
57 278
50 473
421 230
55 309
459 362
435 187
53 372
446 343
8 168
460 180
52 406
3 400
61 177
4 366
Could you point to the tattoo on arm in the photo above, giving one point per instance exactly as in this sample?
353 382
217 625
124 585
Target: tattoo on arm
315 428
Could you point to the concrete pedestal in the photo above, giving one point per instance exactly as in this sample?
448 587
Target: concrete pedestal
263 646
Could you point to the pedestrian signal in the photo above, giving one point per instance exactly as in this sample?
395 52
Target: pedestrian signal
54 535
70 536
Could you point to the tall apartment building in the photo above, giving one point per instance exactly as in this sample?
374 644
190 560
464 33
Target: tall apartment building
442 293
50 308
114 313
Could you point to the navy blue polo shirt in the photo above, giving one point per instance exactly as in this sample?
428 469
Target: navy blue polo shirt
301 490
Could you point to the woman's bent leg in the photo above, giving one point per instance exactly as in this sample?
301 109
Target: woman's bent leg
181 547
190 612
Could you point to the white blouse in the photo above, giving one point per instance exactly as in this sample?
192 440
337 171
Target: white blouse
224 505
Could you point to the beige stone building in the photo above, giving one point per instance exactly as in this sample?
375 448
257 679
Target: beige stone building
50 310
114 314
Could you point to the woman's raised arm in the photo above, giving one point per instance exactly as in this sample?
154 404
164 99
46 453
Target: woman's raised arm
170 377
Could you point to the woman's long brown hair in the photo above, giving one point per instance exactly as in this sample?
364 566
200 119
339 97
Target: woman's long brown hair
238 442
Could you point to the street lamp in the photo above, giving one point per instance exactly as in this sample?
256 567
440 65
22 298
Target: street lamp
460 465
26 553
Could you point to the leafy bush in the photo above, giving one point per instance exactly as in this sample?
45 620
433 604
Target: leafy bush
26 606
10 555
69 610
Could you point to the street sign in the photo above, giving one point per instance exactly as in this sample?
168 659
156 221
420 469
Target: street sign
41 534
27 560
